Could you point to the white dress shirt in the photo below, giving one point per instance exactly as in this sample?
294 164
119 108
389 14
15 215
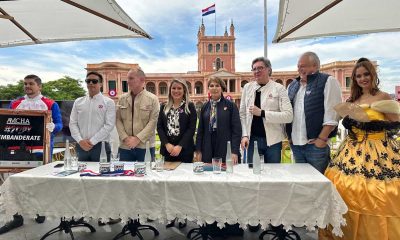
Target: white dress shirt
92 118
333 96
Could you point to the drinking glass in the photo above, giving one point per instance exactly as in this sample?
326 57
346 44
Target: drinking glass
217 163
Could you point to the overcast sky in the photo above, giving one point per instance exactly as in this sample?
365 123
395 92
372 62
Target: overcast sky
174 24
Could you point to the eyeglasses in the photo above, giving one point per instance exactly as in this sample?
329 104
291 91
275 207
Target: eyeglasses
94 81
258 69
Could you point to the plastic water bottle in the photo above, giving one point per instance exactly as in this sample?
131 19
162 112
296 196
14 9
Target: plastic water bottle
256 160
103 154
147 157
67 157
228 158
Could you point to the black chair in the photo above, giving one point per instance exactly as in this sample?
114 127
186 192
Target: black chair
134 227
279 233
208 231
67 225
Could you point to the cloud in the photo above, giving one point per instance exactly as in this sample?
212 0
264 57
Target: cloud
174 26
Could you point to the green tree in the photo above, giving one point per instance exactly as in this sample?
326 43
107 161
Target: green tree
65 88
12 91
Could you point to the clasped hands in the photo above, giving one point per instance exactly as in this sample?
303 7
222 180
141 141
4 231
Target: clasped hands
131 141
174 151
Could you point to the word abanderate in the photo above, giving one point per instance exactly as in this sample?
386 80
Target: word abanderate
20 137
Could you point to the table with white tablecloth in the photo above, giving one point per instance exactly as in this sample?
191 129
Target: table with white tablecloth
288 194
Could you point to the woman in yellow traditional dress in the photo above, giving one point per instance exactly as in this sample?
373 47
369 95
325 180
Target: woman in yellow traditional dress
366 168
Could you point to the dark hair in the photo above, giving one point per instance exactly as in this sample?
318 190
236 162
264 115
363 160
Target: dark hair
279 81
266 61
35 78
355 90
219 81
95 73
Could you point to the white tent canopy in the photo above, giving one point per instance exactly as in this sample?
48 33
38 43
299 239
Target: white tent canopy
300 19
24 22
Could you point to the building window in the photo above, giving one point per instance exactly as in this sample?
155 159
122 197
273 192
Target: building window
217 47
151 87
232 85
124 86
289 81
348 82
189 86
210 47
162 87
218 64
112 85
226 84
198 88
243 83
225 47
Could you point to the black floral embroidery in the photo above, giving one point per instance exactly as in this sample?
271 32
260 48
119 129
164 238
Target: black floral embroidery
359 152
346 152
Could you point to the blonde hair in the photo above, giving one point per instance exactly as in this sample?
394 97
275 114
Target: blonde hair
170 102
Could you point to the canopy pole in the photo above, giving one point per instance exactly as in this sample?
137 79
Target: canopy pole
265 30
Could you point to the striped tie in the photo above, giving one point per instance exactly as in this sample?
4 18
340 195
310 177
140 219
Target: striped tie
213 116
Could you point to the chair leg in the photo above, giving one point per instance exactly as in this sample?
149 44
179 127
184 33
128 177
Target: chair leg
134 227
66 226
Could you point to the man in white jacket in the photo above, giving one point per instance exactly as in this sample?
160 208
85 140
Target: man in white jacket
264 109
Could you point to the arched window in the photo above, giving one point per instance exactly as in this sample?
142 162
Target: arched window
189 86
163 88
198 88
279 81
225 47
210 47
218 64
151 87
217 47
288 82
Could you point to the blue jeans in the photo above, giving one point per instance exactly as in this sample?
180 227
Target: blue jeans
134 155
93 155
272 154
309 153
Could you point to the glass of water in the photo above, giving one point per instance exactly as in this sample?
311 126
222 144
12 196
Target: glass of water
115 157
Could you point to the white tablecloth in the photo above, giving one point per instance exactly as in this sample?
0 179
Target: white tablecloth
288 194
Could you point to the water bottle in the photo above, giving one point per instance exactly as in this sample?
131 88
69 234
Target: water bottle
228 158
103 154
256 160
147 157
67 157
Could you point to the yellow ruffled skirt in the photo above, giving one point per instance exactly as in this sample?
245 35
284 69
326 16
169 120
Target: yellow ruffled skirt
366 173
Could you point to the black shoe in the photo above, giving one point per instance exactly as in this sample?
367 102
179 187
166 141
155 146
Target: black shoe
254 228
18 221
182 225
40 219
111 221
170 224
100 223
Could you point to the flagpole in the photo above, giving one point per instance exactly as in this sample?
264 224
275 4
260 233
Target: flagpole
265 30
215 21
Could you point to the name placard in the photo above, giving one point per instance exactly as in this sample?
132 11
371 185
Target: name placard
24 139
